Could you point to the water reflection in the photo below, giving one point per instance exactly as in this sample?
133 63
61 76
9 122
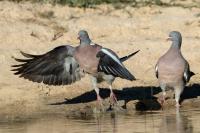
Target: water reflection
127 123
113 123
176 123
138 122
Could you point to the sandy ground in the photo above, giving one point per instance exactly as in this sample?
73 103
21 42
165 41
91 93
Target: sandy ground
31 28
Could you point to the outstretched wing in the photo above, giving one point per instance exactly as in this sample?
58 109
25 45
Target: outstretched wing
109 63
56 67
187 73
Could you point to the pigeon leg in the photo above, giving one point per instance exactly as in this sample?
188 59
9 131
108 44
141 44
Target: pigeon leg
178 91
113 98
161 100
94 84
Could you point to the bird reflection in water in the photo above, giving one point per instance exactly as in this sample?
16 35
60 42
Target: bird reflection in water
176 123
101 123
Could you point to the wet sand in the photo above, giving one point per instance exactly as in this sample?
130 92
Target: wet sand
32 27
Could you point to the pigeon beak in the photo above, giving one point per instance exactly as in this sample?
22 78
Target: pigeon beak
169 39
78 37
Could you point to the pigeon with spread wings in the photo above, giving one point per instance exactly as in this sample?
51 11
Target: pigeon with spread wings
66 64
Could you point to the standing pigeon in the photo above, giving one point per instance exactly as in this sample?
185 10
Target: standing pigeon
66 64
172 70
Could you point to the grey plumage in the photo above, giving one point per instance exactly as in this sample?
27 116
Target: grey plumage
84 38
66 64
56 67
172 70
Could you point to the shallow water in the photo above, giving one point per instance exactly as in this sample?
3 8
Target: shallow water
168 121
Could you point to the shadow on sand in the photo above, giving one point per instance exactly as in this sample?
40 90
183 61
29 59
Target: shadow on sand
145 95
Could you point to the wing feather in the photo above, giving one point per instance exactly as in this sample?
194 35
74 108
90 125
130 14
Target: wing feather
56 67
187 73
156 70
109 63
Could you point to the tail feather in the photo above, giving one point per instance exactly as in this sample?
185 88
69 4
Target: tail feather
128 56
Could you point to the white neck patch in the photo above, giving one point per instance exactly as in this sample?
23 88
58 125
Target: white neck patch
92 43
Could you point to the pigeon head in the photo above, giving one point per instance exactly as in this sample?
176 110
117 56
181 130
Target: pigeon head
176 38
84 37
